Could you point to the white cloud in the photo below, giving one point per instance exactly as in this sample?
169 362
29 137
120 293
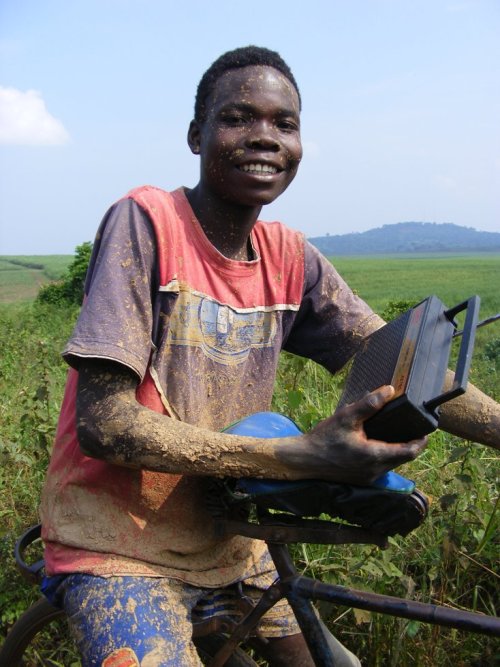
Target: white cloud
24 120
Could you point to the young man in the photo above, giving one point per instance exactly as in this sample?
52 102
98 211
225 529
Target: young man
189 300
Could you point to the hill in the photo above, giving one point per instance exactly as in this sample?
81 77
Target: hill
409 237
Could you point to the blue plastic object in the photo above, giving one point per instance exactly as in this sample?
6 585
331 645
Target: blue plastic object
276 425
265 425
392 481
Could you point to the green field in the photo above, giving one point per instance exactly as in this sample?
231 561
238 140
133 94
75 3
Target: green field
453 279
452 559
21 276
376 279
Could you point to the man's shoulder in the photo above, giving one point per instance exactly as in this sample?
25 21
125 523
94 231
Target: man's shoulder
147 187
163 207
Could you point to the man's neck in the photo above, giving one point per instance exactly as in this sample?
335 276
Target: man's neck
226 225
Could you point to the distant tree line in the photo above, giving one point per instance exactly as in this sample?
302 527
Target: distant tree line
27 264
409 237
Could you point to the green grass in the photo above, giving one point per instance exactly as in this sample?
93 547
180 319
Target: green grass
452 279
21 276
451 559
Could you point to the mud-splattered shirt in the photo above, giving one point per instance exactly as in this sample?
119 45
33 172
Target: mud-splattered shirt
203 333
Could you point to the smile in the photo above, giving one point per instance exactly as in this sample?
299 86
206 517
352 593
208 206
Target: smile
258 168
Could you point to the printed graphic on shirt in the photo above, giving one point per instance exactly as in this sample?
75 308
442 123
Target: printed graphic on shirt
226 335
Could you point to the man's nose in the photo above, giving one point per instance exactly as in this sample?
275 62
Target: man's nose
263 135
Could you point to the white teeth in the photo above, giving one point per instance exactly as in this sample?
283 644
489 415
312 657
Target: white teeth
267 168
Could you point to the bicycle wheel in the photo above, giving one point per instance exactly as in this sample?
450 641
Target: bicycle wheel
27 640
208 646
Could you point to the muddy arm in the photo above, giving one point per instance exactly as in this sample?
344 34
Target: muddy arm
473 416
113 426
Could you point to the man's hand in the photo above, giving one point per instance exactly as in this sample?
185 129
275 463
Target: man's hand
338 448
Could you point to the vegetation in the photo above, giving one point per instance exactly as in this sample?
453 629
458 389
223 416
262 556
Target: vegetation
451 559
69 289
452 279
21 277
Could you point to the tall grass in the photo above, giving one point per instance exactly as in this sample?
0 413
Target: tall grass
450 560
32 378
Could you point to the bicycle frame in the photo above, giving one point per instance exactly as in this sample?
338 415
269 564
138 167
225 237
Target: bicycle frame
300 591
278 530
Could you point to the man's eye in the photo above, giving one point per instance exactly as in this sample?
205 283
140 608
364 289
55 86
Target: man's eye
287 125
234 119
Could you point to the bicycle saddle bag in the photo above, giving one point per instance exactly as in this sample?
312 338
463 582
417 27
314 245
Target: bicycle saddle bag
392 505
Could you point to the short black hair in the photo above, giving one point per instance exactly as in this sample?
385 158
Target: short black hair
244 56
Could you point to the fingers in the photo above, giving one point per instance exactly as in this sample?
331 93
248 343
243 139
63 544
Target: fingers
367 406
410 450
348 455
396 453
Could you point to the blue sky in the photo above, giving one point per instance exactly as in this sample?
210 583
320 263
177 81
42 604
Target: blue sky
401 109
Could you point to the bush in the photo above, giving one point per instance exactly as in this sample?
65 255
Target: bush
396 308
69 290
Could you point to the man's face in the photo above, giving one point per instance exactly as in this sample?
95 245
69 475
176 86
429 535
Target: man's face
249 143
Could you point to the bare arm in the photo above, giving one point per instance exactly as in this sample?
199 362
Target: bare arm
473 416
113 426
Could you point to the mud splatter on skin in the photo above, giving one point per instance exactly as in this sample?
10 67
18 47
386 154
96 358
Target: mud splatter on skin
227 213
114 427
121 431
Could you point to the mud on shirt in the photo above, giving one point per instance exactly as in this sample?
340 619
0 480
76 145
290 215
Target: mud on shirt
203 333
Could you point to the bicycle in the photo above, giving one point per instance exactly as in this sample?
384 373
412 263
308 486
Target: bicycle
274 511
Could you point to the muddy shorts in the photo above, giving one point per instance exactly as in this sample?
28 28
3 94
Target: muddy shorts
148 621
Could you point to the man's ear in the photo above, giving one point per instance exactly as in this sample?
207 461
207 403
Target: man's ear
193 137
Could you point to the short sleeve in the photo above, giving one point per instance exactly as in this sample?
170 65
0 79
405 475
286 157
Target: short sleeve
116 318
332 320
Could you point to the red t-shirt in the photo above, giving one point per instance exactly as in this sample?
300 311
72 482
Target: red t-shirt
203 333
